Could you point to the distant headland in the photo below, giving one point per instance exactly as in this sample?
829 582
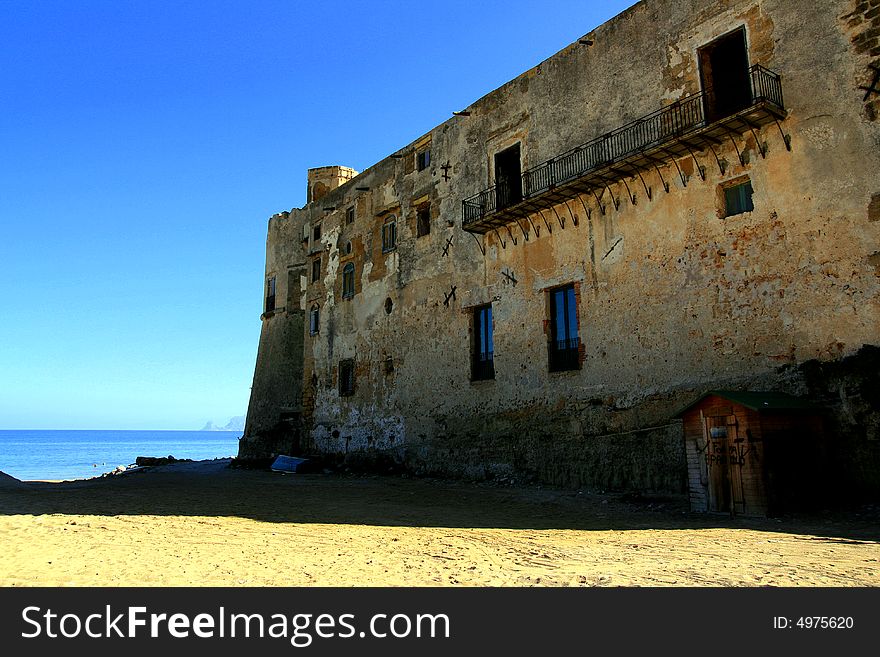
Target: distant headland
235 424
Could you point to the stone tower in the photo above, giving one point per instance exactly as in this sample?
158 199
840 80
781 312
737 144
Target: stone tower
324 179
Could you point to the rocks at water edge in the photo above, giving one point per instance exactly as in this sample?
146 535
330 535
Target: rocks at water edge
142 461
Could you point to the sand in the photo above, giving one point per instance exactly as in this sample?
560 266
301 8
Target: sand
204 524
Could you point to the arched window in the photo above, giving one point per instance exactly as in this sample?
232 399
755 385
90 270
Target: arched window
318 190
314 319
348 281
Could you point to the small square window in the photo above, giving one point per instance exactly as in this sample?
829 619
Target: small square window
423 159
346 378
316 270
738 199
349 215
423 220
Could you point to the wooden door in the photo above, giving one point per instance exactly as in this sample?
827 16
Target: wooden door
724 460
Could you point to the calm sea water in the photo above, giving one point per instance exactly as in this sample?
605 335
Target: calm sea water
34 454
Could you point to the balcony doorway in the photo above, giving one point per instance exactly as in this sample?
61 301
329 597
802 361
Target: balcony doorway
724 74
508 177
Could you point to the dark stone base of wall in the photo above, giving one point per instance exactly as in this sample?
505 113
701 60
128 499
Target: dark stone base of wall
649 460
849 390
283 438
543 445
604 444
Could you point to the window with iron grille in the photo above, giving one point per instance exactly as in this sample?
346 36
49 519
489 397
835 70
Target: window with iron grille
482 356
270 294
349 215
564 345
389 234
314 319
316 270
346 377
348 281
423 159
738 199
423 220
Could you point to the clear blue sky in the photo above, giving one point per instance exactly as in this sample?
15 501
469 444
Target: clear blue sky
143 145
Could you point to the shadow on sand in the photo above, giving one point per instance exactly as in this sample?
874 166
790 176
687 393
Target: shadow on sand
213 489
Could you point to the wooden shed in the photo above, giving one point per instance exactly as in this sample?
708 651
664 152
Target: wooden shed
753 453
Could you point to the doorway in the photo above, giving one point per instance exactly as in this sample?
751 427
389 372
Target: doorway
724 457
508 177
724 74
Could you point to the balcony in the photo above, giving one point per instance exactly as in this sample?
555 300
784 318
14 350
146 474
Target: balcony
686 126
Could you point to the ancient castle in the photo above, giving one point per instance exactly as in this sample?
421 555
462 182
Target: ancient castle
685 199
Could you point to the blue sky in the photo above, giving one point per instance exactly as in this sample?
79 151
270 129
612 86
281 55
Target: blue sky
143 145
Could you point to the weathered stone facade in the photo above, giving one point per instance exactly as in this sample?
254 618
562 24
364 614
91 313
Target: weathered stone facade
674 293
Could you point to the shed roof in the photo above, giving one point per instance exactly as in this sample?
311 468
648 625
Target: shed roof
764 400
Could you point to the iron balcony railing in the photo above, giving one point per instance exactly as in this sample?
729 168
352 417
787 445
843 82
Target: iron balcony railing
652 130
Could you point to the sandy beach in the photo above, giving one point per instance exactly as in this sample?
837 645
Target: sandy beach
205 524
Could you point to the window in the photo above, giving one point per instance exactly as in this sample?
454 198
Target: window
349 215
293 289
482 358
564 346
346 378
316 270
423 159
423 220
270 294
316 232
348 281
738 199
314 319
389 234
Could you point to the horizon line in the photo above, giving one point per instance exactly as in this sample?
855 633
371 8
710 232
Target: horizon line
191 430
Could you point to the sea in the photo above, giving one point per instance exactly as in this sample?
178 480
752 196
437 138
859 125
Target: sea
82 454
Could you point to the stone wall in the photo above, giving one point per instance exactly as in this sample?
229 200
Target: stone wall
273 424
674 298
849 388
